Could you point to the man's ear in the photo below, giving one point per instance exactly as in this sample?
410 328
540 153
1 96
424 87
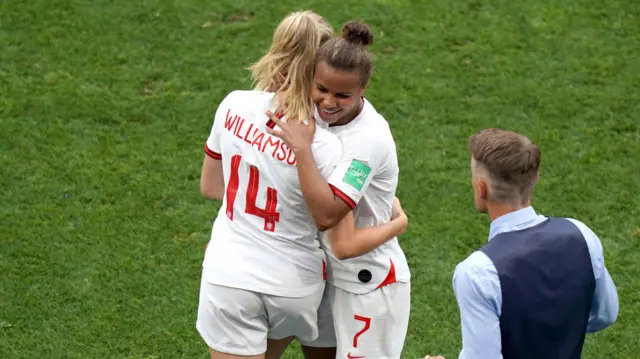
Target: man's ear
483 188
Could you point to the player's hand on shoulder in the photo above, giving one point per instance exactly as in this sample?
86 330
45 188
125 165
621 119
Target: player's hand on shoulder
296 134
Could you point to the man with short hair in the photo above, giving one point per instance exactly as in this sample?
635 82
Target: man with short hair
540 283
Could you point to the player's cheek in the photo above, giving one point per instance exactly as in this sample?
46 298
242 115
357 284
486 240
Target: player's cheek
316 96
348 103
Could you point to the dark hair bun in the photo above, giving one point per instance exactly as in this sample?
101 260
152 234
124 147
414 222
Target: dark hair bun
357 33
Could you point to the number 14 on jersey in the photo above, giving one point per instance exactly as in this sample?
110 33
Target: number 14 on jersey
269 213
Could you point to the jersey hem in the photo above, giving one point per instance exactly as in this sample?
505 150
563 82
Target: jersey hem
289 293
364 289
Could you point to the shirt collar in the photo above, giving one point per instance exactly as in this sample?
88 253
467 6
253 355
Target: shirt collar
513 219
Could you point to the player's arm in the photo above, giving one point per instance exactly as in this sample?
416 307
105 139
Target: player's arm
326 208
348 242
330 200
211 176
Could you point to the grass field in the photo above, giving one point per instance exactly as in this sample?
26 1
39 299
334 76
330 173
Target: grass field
105 106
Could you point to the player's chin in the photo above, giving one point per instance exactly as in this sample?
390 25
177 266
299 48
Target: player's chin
330 118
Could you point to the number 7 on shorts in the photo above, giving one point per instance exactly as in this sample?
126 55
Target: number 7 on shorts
367 325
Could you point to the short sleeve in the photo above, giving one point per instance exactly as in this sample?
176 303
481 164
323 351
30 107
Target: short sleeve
327 149
212 146
354 171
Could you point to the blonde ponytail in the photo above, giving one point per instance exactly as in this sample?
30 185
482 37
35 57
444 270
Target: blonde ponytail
288 65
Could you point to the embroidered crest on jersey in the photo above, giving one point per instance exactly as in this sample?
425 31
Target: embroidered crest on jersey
357 174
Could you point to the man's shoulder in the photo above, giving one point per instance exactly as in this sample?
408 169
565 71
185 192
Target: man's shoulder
587 233
477 263
579 224
476 275
594 244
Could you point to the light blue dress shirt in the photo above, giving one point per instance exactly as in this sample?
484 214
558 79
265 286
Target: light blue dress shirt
477 289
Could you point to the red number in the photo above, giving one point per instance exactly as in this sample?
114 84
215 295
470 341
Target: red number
367 325
232 187
269 213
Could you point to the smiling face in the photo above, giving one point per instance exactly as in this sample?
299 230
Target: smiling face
337 94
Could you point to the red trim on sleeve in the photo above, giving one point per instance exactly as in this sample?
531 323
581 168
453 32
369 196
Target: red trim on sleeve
351 203
391 276
212 154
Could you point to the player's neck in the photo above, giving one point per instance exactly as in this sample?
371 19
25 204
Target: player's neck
499 209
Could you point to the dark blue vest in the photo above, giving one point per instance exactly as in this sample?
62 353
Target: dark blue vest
547 284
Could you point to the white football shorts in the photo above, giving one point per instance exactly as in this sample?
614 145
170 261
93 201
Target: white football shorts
239 322
372 325
326 333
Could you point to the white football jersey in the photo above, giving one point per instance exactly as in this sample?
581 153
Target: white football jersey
366 178
263 238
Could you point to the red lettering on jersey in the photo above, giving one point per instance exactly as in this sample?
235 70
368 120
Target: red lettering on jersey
230 121
239 127
246 135
290 160
262 141
273 142
282 154
257 141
